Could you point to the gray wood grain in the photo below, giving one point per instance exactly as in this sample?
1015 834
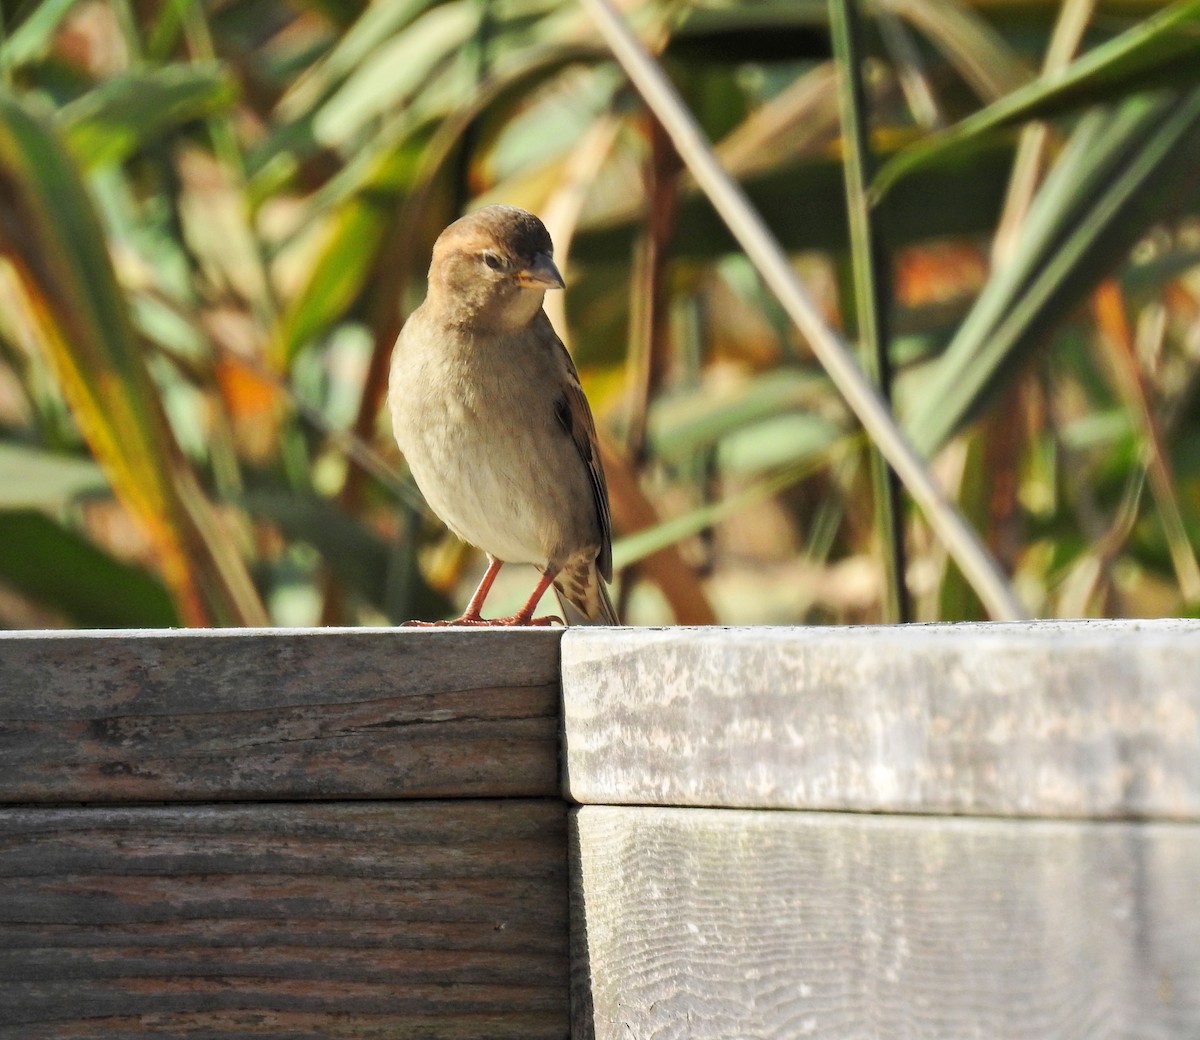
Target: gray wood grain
277 714
1043 719
707 923
368 919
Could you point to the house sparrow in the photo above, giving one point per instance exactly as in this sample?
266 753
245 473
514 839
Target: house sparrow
488 410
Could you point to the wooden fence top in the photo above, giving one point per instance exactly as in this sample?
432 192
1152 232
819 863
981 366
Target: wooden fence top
1068 719
275 714
1074 719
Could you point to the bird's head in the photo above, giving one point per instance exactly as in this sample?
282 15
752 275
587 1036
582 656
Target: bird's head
491 268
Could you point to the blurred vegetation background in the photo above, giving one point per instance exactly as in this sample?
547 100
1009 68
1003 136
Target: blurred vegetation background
215 215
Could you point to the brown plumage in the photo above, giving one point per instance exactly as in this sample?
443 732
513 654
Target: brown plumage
487 408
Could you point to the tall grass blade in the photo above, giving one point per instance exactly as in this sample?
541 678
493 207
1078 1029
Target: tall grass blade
32 38
122 115
772 264
971 44
1108 304
870 273
1164 49
1119 174
50 234
59 569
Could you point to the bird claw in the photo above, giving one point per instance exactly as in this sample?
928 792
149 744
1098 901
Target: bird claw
517 621
514 621
464 622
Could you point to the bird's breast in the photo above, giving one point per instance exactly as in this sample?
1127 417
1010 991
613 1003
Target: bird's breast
486 449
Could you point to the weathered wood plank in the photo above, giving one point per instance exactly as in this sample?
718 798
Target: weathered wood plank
278 714
1050 718
368 919
709 923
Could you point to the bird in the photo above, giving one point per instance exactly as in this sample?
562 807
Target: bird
487 408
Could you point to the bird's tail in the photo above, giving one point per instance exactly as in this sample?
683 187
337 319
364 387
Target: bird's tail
583 596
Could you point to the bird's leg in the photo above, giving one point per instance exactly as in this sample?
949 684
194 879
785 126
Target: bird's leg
472 615
524 616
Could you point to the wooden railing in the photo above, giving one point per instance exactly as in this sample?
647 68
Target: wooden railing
934 831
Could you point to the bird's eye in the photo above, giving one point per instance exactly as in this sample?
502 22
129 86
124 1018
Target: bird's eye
493 261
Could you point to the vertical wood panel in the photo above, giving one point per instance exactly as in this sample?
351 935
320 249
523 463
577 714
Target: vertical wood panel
412 919
706 923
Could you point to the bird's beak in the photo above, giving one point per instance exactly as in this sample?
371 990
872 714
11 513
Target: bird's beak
541 274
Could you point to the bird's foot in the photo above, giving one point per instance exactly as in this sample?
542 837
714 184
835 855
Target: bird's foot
517 620
467 621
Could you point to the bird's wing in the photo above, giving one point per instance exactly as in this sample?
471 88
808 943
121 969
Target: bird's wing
576 418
